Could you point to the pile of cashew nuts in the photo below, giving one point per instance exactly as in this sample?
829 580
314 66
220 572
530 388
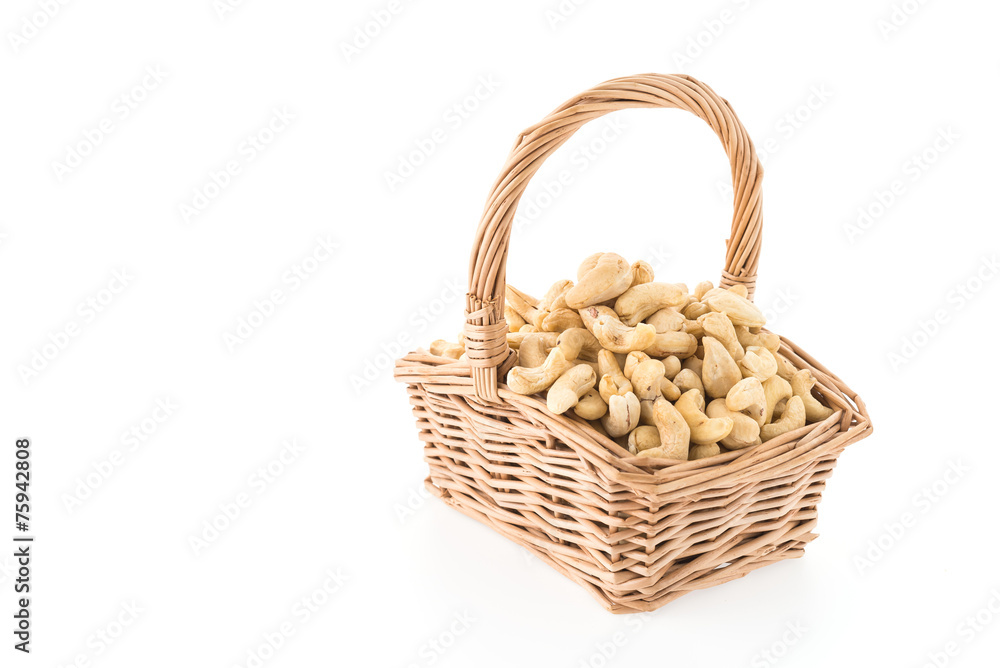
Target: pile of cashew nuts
663 372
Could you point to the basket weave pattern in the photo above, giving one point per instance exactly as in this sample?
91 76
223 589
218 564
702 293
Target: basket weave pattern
635 535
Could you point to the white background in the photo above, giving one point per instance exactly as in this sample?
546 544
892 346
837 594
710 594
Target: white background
842 105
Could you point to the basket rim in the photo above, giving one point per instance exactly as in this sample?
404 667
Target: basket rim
849 423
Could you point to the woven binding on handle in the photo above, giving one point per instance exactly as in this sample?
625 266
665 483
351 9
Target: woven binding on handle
485 329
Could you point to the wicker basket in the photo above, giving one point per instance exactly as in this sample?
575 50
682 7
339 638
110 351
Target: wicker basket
635 533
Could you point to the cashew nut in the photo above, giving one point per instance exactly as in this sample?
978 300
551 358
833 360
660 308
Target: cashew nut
526 307
636 303
704 429
513 318
634 359
768 340
669 390
578 342
667 320
694 328
687 379
739 289
680 344
515 339
549 299
703 451
694 363
785 368
721 328
588 263
747 396
646 377
643 438
702 289
561 319
758 362
615 335
776 388
719 371
609 277
443 348
642 272
695 310
675 434
613 382
533 351
591 406
802 384
793 417
565 393
739 309
531 380
623 415
671 366
746 431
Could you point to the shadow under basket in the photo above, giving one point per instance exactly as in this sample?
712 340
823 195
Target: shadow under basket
634 532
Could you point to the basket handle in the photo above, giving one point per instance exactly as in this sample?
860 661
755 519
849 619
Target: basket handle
485 328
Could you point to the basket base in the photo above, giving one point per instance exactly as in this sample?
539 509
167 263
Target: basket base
734 570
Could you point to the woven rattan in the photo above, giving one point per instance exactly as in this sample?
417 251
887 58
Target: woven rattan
635 534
